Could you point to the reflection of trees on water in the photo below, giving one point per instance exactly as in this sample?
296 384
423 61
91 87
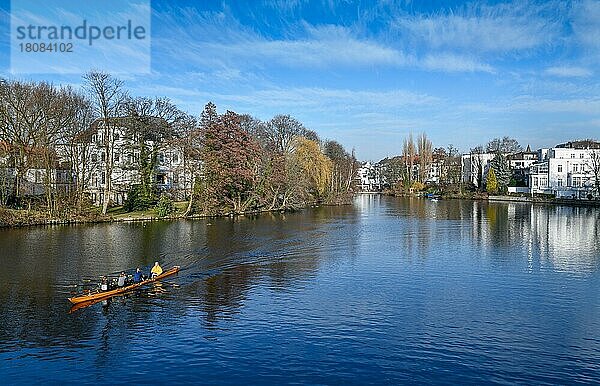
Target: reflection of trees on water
275 250
224 260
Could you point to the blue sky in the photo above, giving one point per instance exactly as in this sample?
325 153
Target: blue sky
368 73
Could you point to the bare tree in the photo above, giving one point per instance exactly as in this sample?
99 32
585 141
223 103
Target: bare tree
504 145
187 139
108 97
77 144
58 111
282 130
595 164
409 155
343 170
425 150
476 164
21 120
452 165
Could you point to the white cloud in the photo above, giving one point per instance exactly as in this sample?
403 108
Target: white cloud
588 106
568 71
330 100
314 51
530 104
218 40
454 63
501 28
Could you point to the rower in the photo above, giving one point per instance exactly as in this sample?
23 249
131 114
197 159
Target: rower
137 276
104 284
121 281
156 270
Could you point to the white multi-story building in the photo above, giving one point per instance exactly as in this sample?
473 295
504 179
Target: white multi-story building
567 171
169 173
522 159
520 163
571 169
538 178
434 173
369 178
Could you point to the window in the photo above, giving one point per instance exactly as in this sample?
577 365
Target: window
175 178
581 155
575 168
103 177
94 157
560 168
103 156
572 155
175 158
560 182
117 157
161 158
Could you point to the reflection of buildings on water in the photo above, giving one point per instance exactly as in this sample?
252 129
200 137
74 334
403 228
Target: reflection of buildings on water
563 238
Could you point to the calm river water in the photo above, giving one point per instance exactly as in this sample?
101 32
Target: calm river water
384 291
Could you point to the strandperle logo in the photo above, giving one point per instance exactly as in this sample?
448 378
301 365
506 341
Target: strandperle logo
84 32
66 36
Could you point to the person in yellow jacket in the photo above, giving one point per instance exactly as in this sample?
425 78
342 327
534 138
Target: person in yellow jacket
156 270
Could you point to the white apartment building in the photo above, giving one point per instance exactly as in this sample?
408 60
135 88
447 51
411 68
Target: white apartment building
538 178
568 171
434 173
169 173
369 178
523 159
520 164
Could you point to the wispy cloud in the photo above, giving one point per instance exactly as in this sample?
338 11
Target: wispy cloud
506 27
325 46
588 106
568 71
454 63
529 104
218 39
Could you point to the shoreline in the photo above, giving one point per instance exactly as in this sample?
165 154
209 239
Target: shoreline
504 198
546 201
40 221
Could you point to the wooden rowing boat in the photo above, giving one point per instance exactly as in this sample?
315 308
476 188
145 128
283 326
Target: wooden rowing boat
99 295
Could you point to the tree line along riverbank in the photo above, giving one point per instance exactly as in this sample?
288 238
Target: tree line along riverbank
228 163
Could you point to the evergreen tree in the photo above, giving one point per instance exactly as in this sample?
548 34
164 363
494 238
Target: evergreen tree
501 169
